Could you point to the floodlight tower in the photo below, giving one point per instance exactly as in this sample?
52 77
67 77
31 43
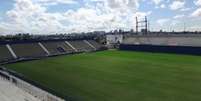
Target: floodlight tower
146 24
143 25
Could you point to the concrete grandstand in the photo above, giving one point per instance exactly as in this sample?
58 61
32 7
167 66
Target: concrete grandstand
32 50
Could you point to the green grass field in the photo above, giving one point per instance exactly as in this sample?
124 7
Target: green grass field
119 76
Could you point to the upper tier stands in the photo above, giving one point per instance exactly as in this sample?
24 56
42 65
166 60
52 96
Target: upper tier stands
81 46
27 50
48 48
57 47
95 44
4 53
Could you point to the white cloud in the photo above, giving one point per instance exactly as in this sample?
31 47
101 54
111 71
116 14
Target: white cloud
194 28
196 13
176 5
55 2
198 2
120 4
157 2
143 14
105 15
162 22
31 16
162 6
185 9
179 16
169 24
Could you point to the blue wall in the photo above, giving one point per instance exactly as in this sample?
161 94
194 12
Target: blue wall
163 49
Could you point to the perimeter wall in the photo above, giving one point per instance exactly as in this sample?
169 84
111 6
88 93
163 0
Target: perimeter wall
162 49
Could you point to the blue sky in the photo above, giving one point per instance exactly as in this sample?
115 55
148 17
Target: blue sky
66 16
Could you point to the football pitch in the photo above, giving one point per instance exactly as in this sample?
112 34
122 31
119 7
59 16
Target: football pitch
118 76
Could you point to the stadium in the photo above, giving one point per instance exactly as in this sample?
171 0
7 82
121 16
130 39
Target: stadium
85 70
100 50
